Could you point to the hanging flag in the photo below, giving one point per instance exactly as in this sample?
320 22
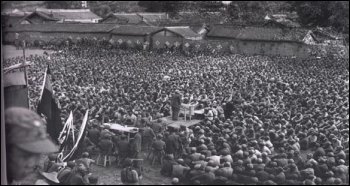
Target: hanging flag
49 107
219 47
145 45
66 138
120 41
77 148
232 48
177 44
15 88
157 43
67 128
111 41
129 42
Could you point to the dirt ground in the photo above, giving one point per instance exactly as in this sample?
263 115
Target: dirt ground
111 175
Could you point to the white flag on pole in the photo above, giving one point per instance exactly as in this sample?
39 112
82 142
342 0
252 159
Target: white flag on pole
66 128
80 135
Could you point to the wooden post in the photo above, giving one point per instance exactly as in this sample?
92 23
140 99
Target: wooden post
3 134
24 60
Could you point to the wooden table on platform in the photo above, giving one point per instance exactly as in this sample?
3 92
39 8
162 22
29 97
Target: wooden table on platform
176 124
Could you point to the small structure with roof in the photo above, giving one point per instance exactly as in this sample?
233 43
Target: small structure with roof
13 17
153 18
123 18
328 36
115 18
39 18
282 23
282 20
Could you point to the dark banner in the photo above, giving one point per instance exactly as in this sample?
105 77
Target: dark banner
49 108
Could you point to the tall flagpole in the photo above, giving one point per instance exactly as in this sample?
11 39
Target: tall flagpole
25 69
42 90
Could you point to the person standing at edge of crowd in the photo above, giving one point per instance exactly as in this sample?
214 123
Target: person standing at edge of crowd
148 137
26 140
175 105
136 144
128 175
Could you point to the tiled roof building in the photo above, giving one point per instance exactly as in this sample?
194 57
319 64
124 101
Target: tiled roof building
41 16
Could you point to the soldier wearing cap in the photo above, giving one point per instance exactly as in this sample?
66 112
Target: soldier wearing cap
79 174
175 181
175 105
94 134
195 173
51 165
122 148
26 140
167 166
86 160
135 144
158 147
172 143
148 137
157 126
64 173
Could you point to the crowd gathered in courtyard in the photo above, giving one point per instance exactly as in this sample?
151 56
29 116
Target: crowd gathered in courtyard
267 120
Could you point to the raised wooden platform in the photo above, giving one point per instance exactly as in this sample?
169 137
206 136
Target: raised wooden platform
176 124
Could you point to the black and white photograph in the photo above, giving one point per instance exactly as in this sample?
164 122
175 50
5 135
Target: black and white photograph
175 92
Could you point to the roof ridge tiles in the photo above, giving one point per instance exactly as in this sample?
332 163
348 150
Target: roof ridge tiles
63 10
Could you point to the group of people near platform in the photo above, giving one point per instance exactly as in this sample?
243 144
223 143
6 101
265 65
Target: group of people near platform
268 120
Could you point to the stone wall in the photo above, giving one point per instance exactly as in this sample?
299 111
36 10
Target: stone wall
248 47
30 37
130 41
